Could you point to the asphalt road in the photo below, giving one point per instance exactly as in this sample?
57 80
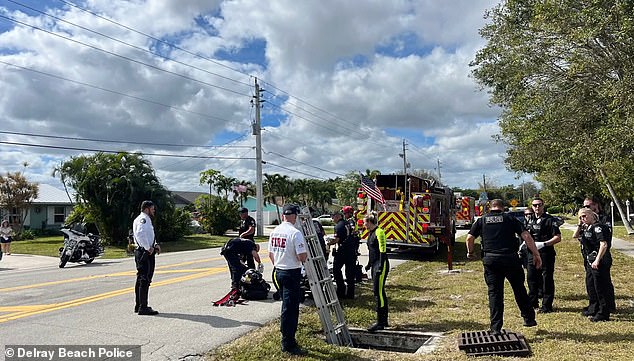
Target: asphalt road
93 304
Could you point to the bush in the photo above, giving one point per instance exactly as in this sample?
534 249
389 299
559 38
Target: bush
26 234
555 209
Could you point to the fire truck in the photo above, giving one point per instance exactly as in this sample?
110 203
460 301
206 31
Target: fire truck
465 210
418 213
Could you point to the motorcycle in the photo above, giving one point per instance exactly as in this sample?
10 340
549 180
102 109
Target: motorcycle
81 244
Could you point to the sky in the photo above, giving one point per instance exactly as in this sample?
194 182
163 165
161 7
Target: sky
343 86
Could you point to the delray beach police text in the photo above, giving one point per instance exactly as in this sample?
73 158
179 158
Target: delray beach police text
72 352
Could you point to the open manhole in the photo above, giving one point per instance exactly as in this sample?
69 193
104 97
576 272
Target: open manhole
395 341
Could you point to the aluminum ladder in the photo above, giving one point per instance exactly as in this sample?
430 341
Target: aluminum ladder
333 320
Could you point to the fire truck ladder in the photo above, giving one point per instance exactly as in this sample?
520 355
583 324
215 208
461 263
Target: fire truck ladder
324 293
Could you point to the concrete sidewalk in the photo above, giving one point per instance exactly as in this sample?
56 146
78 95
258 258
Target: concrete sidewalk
16 261
618 244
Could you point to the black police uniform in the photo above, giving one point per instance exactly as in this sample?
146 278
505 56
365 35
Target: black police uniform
233 251
541 282
500 260
346 255
598 281
245 224
321 234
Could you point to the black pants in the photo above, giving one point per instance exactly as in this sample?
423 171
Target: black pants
599 287
541 282
378 288
145 264
236 268
496 269
348 258
289 284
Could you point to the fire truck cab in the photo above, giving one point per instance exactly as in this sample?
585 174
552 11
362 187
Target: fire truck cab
418 213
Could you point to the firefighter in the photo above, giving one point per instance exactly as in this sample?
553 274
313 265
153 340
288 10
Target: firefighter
546 234
379 264
499 257
344 256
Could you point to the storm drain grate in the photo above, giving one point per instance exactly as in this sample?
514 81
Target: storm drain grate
483 343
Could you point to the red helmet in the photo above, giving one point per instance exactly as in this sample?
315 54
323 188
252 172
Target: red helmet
347 209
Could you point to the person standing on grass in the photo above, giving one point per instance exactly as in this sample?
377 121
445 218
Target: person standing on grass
287 251
596 245
499 257
380 266
541 282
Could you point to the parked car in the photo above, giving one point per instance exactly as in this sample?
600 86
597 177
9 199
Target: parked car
324 218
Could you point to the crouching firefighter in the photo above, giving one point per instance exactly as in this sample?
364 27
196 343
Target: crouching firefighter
234 251
378 262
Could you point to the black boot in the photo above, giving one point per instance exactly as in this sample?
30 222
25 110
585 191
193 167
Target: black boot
143 297
377 326
382 316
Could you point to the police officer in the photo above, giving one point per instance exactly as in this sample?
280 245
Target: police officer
234 251
596 244
344 256
546 234
247 224
247 231
379 264
287 251
144 257
500 260
593 204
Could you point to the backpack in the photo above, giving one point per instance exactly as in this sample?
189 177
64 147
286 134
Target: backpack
253 286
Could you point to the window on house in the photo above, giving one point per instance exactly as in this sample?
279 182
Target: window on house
14 217
59 214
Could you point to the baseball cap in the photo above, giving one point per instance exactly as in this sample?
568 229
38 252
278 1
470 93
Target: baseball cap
290 209
244 210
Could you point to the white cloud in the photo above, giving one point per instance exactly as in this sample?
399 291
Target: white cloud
356 103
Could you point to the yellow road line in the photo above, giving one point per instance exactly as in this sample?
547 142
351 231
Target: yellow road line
27 311
116 274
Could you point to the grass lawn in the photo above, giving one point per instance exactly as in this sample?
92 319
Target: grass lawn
49 246
421 298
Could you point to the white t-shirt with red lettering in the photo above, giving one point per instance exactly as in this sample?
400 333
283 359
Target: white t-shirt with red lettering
285 243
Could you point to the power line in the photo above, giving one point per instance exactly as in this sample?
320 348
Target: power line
121 141
114 92
317 108
172 45
293 170
115 151
153 38
123 56
128 44
306 164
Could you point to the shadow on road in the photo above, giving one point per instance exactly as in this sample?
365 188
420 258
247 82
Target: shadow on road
214 321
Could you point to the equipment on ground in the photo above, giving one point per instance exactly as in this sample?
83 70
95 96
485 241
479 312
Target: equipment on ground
230 299
323 291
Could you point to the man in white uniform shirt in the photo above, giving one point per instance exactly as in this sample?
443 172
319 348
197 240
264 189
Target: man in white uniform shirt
287 251
144 257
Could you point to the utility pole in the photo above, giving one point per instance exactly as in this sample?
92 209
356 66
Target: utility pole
439 176
484 182
404 156
257 131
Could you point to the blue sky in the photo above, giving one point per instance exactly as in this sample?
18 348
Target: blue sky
344 86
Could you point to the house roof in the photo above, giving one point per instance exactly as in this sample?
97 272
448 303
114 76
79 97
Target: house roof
48 194
186 197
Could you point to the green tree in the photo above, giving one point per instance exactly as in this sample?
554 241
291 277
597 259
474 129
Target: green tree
218 214
17 193
561 72
109 190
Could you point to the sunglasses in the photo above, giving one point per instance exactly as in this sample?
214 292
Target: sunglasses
537 204
528 214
